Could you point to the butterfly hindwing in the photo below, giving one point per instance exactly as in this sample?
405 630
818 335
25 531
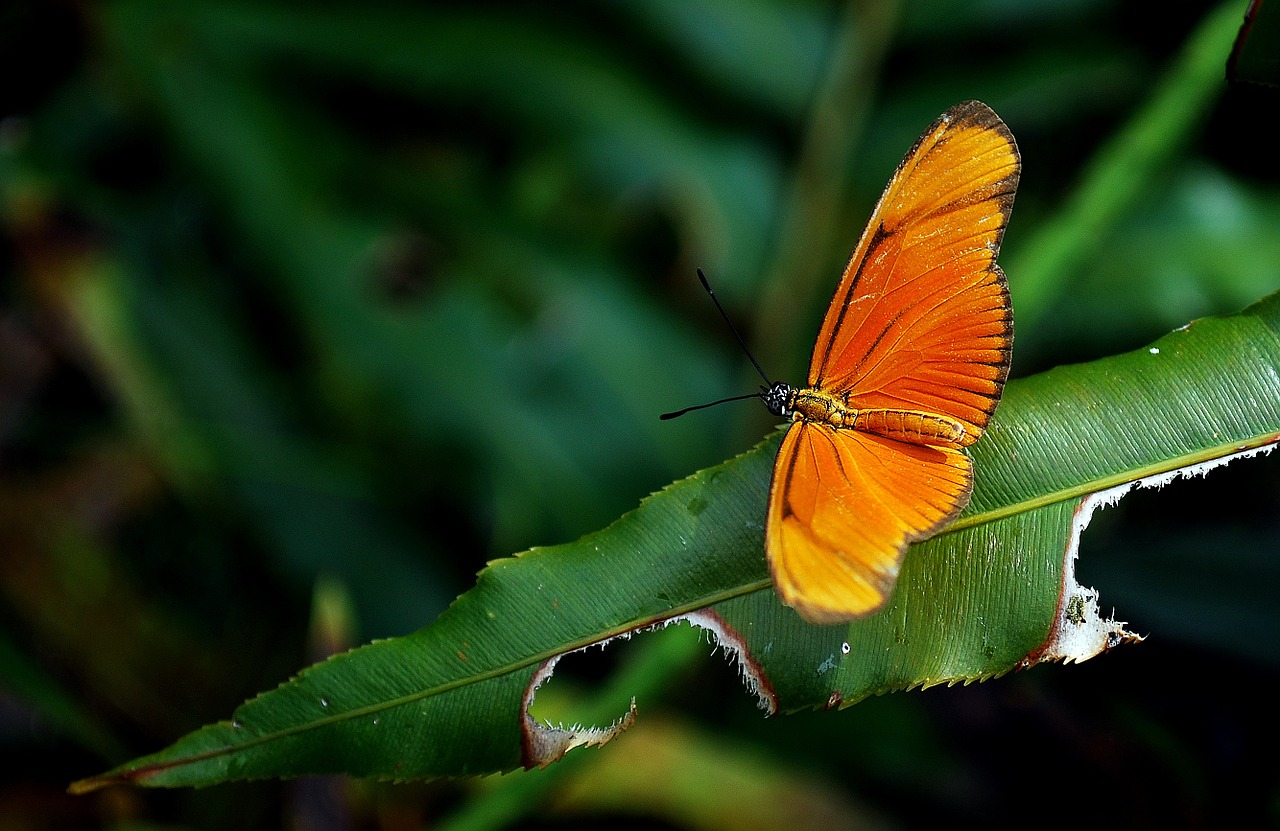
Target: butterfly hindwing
844 505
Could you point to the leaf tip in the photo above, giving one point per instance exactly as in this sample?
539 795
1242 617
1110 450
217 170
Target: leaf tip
119 776
88 785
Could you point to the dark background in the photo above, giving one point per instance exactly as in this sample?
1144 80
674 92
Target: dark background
309 310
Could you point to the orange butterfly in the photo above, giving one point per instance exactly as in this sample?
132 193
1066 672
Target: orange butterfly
907 369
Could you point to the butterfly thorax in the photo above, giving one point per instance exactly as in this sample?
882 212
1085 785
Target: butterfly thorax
813 404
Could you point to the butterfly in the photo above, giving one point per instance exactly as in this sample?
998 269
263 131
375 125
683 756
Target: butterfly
908 367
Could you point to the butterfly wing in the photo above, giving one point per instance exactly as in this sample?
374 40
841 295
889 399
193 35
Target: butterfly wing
921 319
842 507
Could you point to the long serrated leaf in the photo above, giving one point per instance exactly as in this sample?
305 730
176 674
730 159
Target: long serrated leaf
993 593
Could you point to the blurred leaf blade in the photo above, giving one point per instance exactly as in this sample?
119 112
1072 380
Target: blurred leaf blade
453 373
1122 171
26 680
973 602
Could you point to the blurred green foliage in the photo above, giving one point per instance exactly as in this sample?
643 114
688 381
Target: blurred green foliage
366 294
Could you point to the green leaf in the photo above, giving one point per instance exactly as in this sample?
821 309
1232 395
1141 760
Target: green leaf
993 593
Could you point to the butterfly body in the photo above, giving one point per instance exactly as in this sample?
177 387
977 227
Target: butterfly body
816 405
906 371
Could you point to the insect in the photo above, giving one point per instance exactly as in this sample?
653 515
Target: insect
906 371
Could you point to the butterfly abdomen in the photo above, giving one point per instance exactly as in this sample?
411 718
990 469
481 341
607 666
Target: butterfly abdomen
911 426
914 426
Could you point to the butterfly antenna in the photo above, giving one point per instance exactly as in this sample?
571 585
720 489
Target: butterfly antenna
666 416
706 285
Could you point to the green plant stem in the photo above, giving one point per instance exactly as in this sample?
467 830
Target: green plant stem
1123 169
815 205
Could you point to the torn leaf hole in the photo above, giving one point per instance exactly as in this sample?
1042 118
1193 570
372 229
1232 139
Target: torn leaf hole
544 742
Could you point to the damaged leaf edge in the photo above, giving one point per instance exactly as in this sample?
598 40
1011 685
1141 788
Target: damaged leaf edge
1079 631
543 743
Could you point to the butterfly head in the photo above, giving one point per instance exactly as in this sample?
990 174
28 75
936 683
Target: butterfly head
778 397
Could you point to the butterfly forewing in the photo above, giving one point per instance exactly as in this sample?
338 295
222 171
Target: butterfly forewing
922 304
